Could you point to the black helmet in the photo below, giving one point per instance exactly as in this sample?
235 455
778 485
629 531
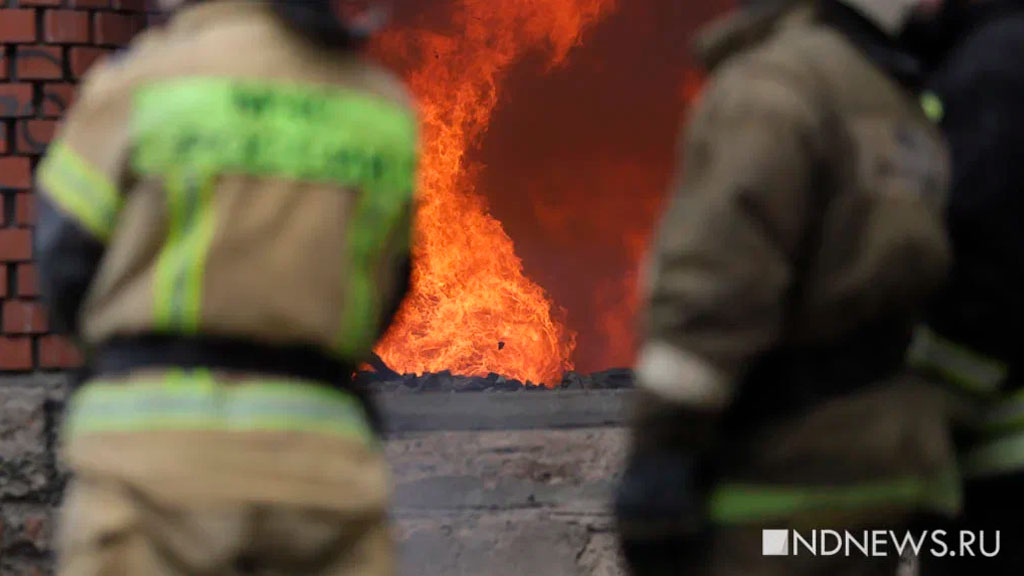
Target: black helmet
334 23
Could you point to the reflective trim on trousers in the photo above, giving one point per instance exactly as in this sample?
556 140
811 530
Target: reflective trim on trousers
733 504
195 401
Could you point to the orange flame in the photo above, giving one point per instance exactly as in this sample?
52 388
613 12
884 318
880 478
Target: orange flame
472 309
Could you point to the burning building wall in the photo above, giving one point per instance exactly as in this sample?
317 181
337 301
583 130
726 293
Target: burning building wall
549 130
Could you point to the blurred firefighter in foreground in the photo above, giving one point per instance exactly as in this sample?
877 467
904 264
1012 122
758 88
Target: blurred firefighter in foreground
789 272
975 343
224 222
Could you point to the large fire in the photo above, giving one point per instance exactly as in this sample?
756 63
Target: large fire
472 309
574 179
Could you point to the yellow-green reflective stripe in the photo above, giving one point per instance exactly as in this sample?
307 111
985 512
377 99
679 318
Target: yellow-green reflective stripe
83 191
1005 417
956 364
178 285
933 107
744 504
342 137
191 403
996 456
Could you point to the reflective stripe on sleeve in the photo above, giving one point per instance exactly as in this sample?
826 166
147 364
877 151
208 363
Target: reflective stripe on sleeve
1005 417
682 377
1000 444
195 401
80 190
994 457
959 365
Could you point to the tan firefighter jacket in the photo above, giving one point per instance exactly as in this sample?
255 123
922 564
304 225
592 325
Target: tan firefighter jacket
265 197
809 206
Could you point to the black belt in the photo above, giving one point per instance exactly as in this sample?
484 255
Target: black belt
122 356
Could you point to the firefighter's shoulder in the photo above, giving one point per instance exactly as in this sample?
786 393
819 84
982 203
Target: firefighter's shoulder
119 71
768 80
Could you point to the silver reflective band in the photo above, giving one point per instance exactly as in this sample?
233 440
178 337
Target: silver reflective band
681 377
957 364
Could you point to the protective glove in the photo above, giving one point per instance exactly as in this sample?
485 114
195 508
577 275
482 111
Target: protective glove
661 504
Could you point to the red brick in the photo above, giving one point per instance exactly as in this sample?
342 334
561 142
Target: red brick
24 317
3 65
3 281
39 2
28 281
57 98
32 136
83 57
39 62
25 209
15 172
15 245
3 146
15 353
16 100
57 352
66 26
17 26
113 29
90 3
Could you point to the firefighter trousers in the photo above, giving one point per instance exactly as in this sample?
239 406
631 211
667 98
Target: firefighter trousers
878 459
189 474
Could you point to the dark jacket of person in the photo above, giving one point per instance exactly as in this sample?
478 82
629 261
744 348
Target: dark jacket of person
982 87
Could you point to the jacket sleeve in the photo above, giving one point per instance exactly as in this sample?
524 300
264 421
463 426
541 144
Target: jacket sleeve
78 192
724 254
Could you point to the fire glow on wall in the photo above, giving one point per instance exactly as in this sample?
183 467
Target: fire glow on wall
548 139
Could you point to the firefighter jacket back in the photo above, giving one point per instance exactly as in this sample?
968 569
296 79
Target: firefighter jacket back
245 183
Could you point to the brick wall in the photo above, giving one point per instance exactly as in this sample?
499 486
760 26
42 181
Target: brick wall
45 48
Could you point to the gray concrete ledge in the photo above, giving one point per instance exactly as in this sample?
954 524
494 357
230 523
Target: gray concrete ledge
557 409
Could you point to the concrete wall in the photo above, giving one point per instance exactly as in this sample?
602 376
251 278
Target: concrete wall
504 503
485 484
31 479
506 484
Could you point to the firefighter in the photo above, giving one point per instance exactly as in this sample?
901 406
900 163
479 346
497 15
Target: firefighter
788 274
224 223
975 339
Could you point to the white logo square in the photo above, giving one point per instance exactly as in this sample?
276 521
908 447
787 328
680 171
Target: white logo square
775 542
